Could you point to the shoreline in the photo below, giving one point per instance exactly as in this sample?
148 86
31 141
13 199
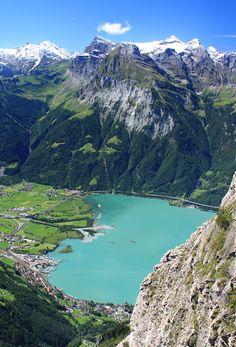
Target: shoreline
88 237
169 198
94 231
36 276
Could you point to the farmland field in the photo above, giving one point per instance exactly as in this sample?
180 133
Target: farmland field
34 218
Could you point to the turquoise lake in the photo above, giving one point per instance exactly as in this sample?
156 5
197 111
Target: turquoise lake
112 267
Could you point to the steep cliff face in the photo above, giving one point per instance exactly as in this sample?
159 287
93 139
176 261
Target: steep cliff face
189 298
128 86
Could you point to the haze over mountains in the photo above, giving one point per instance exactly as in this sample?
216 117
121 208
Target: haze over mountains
147 117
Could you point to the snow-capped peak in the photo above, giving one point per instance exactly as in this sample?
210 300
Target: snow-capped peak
172 39
35 51
172 42
214 53
156 47
194 43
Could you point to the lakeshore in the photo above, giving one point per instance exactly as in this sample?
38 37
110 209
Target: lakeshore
142 232
38 220
174 200
33 220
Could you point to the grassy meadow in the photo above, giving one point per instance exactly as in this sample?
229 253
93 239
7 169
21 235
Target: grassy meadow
38 217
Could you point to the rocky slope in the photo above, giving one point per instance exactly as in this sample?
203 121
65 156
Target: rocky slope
191 62
189 298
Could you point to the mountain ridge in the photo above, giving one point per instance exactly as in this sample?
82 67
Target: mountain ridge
24 59
100 47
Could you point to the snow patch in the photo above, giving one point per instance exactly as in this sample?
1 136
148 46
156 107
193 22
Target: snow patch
214 53
172 42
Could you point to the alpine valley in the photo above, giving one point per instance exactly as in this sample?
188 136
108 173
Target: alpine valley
153 118
156 117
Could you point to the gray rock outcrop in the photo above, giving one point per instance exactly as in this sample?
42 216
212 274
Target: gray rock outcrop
189 298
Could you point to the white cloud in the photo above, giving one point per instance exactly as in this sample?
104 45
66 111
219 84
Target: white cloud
227 36
114 28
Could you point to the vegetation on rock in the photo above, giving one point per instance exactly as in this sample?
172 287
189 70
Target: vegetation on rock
66 249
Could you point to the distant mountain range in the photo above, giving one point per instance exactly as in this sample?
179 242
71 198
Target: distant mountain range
148 117
22 60
190 61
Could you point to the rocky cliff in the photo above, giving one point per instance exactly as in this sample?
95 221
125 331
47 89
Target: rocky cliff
189 298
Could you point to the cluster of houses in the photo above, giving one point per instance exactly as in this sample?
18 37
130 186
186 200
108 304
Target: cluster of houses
35 277
88 308
36 267
39 262
30 267
22 211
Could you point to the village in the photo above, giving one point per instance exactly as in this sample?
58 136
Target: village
35 270
24 238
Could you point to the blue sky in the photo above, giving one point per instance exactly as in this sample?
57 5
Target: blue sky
73 24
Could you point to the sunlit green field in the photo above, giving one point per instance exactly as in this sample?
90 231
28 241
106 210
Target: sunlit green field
40 216
7 226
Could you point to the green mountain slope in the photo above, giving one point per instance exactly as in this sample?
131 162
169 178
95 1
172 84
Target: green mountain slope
126 125
17 114
220 125
106 156
29 317
32 317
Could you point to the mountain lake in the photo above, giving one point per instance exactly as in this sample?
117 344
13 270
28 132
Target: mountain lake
111 267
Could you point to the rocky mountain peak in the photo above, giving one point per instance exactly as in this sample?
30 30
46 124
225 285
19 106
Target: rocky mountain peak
100 39
214 53
189 61
194 43
128 50
99 47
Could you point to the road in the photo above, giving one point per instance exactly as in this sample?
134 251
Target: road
162 196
